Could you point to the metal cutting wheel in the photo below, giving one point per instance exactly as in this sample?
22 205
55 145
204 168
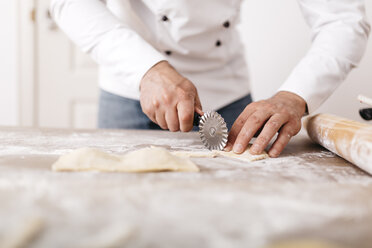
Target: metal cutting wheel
213 131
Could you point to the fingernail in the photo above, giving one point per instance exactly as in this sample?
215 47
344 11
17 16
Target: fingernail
254 149
274 153
227 148
238 148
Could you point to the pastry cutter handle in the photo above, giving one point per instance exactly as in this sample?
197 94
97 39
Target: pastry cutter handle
196 119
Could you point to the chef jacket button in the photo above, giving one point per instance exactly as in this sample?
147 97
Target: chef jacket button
165 18
226 24
168 52
218 43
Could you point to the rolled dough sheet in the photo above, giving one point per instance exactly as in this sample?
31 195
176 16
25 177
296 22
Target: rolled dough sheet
152 159
245 156
196 154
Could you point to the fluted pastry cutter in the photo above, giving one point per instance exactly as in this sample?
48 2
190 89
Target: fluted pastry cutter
212 130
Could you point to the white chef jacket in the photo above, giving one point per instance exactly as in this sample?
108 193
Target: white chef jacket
199 38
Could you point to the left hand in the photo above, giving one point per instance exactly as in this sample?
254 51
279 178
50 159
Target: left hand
281 113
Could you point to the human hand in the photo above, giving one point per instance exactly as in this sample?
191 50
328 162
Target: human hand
168 98
281 113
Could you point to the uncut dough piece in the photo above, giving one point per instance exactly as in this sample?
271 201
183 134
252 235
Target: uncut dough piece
152 159
245 156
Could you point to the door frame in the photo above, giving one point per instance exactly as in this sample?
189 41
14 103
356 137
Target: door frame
27 62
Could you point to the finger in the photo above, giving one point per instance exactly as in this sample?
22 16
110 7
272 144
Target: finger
150 115
237 126
199 111
171 117
185 111
152 118
279 144
198 106
160 119
268 132
285 134
252 124
148 109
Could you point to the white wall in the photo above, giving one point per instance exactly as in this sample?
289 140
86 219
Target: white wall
277 37
8 63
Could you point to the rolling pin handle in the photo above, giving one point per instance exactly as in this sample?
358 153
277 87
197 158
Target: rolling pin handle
366 114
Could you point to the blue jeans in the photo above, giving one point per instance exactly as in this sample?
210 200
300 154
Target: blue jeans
123 113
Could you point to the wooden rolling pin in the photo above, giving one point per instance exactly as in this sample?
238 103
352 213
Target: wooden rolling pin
349 139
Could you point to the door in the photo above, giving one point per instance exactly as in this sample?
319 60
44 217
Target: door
66 85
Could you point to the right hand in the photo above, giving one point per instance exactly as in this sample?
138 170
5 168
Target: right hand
169 99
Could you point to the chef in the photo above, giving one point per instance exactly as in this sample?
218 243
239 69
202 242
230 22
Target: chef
162 60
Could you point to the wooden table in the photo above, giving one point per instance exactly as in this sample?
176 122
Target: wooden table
307 194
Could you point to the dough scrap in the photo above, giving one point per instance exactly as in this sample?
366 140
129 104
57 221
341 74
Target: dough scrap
152 159
245 156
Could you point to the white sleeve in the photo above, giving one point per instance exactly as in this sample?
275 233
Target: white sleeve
339 39
91 25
